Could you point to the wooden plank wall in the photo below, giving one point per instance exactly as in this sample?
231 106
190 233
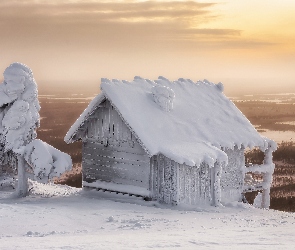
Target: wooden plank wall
164 182
232 176
195 184
175 183
111 152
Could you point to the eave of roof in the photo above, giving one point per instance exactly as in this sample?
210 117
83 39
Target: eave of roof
83 117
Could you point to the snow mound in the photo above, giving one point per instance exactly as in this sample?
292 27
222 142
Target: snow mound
46 161
163 96
237 204
38 234
51 190
220 86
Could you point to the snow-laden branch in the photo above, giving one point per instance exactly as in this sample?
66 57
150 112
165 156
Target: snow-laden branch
46 161
266 171
264 168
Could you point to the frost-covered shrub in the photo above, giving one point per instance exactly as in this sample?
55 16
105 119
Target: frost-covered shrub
19 112
285 152
19 120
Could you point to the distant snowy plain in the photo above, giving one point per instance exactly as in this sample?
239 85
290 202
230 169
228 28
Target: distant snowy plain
61 217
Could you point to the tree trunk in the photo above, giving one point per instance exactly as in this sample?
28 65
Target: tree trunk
22 185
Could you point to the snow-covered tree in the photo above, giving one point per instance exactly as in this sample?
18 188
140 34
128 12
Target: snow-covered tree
19 120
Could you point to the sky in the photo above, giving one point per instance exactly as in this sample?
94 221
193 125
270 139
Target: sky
247 45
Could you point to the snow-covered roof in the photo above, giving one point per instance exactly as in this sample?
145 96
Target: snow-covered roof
190 126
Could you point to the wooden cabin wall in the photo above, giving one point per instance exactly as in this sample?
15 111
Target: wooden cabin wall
195 184
164 179
111 152
175 183
232 176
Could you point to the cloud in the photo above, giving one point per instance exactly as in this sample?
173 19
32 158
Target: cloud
123 26
213 32
182 13
111 26
94 13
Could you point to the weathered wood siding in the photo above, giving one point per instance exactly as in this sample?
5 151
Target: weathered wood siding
111 152
195 184
175 183
164 179
232 176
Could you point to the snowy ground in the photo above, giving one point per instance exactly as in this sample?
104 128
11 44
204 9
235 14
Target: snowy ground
60 217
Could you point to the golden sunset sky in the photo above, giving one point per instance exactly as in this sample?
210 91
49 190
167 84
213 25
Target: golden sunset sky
248 45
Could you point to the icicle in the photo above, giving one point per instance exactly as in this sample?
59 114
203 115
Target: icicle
217 188
258 200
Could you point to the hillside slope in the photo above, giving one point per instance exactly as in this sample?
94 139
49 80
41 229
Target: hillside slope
60 217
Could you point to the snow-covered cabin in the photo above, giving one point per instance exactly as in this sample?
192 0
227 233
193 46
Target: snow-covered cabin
172 141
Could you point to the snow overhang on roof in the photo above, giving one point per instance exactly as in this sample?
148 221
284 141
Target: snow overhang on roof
198 121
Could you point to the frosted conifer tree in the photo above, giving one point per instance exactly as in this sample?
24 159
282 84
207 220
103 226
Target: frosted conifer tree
19 120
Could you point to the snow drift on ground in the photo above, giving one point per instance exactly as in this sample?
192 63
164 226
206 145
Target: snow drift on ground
71 218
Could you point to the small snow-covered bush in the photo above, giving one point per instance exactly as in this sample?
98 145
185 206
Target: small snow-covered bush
19 120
